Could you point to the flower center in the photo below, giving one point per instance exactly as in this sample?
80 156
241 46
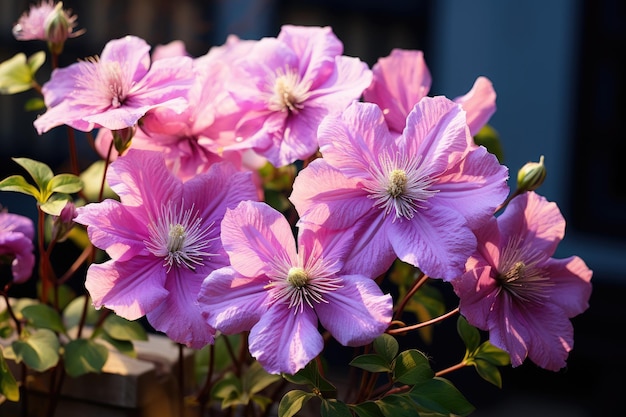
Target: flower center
521 276
297 286
289 93
106 80
297 277
178 237
400 184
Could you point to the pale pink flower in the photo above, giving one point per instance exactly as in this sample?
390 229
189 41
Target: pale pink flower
16 245
416 196
280 293
115 90
163 240
402 79
284 86
516 291
46 21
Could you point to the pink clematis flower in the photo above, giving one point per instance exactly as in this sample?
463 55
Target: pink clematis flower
46 21
402 79
284 86
163 239
402 195
514 289
279 293
16 245
116 90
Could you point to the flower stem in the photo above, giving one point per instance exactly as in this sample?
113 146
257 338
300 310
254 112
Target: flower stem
417 284
402 330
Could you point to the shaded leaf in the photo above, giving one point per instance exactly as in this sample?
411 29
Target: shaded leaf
125 347
42 316
492 354
73 312
469 334
83 356
292 402
397 406
386 346
39 351
335 408
412 367
488 137
34 104
488 372
119 328
255 379
371 362
8 384
367 409
310 375
440 396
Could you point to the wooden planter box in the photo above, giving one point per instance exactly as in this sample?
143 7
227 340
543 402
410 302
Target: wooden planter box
147 386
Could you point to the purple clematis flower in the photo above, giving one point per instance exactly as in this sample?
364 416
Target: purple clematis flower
284 86
16 245
402 195
514 289
115 90
402 79
279 293
163 240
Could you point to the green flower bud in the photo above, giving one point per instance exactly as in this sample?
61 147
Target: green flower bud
531 175
58 27
122 138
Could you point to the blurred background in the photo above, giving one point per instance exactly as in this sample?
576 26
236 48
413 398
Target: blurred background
558 69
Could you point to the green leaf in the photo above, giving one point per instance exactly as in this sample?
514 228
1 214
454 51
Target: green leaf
65 183
335 408
492 354
229 390
440 396
412 367
488 372
125 347
469 334
371 362
55 203
16 75
397 406
92 182
386 346
490 139
83 356
367 409
255 379
42 316
39 351
310 375
292 402
19 184
40 172
8 385
119 328
34 104
35 61
73 312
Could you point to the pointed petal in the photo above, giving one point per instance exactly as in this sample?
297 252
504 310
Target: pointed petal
285 342
231 303
479 104
131 289
357 313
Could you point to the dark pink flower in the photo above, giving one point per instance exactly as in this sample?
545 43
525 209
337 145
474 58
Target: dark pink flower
516 291
163 240
16 245
402 195
115 90
280 293
402 79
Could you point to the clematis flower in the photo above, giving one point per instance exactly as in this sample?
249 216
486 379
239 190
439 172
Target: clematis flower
163 240
279 293
402 79
115 90
516 291
16 245
402 195
49 22
284 86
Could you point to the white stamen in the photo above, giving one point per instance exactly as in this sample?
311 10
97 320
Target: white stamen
288 91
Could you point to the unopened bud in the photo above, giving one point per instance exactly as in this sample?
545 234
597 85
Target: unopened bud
531 175
64 222
122 138
58 28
